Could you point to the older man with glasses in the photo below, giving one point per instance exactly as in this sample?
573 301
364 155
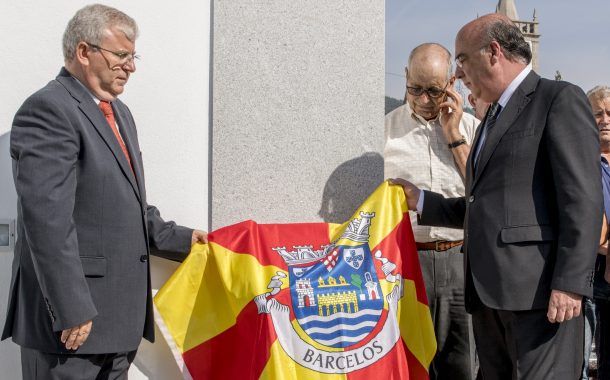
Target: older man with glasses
427 141
80 298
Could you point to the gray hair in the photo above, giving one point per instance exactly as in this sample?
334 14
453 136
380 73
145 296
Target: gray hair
598 93
428 44
510 39
89 25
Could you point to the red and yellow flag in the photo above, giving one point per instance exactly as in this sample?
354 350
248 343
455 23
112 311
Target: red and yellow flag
303 301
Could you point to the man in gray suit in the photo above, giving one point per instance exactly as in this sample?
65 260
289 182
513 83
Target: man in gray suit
532 209
80 299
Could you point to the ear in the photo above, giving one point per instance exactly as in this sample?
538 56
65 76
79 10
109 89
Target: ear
471 100
82 53
495 50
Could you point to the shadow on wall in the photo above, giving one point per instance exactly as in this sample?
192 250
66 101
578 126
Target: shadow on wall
349 185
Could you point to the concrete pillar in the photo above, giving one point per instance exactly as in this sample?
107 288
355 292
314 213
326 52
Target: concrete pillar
298 106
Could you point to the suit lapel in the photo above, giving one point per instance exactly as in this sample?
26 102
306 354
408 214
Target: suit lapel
92 112
128 133
516 104
475 143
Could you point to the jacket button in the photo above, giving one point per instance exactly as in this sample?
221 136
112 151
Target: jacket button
471 199
144 258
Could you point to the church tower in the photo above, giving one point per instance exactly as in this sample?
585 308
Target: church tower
528 28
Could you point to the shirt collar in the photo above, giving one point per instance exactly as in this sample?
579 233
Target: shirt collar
95 99
512 87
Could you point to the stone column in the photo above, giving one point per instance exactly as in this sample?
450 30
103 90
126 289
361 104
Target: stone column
297 110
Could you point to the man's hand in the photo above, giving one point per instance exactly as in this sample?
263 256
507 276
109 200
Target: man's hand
450 125
199 237
412 192
563 306
450 121
76 336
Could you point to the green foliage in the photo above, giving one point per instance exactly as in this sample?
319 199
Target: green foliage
356 281
391 104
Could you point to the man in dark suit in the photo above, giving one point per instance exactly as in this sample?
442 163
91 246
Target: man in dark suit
80 299
532 209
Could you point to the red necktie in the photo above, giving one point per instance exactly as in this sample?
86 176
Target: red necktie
107 110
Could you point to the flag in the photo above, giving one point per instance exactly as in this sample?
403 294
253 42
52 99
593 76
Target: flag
303 300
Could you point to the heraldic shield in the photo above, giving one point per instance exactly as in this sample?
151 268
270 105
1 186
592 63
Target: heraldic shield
335 293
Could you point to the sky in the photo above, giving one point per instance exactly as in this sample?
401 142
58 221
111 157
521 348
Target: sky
573 35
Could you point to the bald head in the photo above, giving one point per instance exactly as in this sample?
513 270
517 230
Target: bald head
477 27
431 54
490 52
428 72
497 27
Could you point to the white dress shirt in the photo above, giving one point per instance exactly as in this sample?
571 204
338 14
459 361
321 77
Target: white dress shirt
416 150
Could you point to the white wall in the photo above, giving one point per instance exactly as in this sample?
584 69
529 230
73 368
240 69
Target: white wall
168 96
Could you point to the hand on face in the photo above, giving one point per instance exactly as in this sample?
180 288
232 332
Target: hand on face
427 75
451 111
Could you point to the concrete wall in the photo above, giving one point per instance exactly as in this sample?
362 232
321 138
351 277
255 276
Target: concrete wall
169 97
297 110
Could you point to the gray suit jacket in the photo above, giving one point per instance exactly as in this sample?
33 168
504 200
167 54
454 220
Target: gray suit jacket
84 226
533 210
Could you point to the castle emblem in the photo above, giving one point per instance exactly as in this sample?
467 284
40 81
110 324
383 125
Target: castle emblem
337 300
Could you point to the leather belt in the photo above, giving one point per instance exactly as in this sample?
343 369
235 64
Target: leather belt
438 246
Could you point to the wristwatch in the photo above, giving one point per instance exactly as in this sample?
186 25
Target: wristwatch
457 143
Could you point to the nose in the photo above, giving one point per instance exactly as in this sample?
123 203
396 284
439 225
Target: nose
130 65
605 119
424 97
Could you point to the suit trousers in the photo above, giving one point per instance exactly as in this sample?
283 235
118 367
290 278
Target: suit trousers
37 365
590 315
443 275
601 309
524 345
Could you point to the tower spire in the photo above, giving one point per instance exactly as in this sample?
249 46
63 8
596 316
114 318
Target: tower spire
529 29
507 8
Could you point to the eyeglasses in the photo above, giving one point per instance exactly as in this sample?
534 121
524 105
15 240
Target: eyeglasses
123 57
432 92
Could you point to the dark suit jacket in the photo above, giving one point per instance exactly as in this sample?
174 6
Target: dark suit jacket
84 226
532 212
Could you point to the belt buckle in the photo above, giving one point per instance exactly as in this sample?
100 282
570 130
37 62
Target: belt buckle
436 247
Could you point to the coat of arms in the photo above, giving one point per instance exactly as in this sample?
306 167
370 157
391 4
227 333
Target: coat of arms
339 319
